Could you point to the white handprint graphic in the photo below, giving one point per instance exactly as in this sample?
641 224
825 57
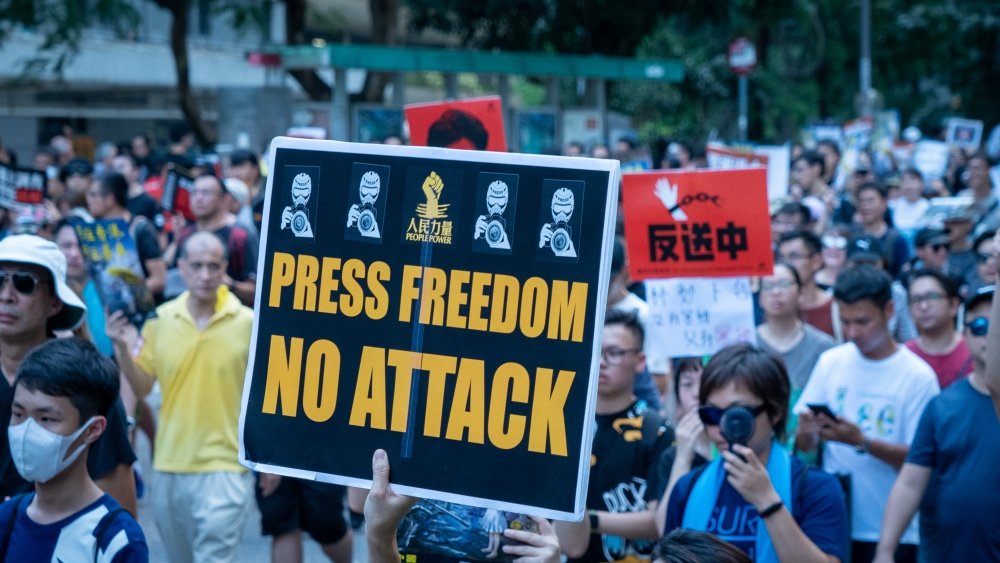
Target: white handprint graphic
667 193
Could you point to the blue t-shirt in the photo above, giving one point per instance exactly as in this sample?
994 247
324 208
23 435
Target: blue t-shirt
821 512
72 538
959 439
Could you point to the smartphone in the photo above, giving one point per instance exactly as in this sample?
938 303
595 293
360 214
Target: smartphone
822 409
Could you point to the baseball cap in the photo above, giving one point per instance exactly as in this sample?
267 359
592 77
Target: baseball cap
77 165
930 236
981 294
32 249
864 248
959 213
238 189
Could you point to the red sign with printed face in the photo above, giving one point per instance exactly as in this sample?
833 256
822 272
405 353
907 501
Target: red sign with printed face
697 223
475 124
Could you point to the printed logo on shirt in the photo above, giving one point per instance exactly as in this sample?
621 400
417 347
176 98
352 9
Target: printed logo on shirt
626 497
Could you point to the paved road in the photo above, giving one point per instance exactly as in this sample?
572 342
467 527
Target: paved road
254 548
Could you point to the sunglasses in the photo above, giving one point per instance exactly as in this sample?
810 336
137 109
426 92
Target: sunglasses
712 416
979 327
23 282
830 241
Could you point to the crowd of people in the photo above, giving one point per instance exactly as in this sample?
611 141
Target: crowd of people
865 399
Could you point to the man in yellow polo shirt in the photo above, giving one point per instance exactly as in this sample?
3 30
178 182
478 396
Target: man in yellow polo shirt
197 348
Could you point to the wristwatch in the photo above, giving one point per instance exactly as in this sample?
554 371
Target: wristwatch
865 446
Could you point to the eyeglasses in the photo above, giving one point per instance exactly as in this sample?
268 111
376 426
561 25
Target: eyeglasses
24 282
777 285
941 246
830 241
615 356
712 416
926 297
795 257
979 326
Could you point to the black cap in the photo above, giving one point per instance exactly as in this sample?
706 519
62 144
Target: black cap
864 248
929 236
981 294
77 165
239 156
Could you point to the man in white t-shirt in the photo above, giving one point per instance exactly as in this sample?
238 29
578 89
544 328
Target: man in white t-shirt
877 391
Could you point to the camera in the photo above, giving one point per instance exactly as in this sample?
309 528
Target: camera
300 223
366 221
494 230
561 240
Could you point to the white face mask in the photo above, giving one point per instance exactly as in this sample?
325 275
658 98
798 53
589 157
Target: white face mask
40 454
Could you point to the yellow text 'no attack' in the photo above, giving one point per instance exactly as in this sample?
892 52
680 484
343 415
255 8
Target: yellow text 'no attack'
475 414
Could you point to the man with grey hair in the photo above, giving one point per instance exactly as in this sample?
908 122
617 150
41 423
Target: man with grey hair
197 348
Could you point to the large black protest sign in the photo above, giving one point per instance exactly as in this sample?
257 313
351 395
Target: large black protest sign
399 308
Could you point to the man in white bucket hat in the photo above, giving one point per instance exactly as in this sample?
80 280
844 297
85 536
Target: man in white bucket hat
35 302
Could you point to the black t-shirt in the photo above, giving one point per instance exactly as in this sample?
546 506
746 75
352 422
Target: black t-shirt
623 476
108 452
665 465
144 204
147 245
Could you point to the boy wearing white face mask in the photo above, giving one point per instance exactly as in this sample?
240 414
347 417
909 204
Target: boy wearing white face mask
62 387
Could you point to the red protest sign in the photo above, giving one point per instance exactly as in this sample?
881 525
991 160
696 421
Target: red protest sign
697 223
463 124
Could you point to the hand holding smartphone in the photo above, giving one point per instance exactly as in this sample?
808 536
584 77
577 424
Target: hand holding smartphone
823 409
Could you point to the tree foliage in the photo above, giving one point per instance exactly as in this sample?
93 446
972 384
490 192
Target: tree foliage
930 59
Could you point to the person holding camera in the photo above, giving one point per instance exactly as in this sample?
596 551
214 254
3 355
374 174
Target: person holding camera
755 495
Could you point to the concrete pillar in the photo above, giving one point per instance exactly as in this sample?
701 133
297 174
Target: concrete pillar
340 110
503 88
601 98
450 86
399 89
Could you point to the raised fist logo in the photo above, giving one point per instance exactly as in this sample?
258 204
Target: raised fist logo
433 186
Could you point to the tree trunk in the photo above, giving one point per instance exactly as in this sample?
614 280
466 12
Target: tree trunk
189 107
295 34
179 10
385 31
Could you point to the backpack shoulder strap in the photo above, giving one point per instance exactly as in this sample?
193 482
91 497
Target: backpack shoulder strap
800 490
651 423
18 501
102 528
695 475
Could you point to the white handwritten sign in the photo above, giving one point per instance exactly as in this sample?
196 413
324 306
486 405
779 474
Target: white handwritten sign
699 316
